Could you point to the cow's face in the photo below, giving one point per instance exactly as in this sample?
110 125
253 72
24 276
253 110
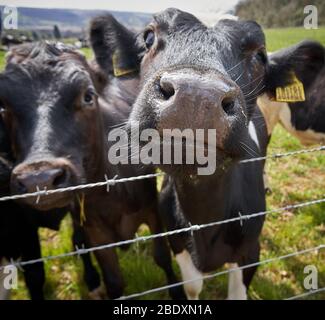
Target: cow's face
49 97
195 77
5 158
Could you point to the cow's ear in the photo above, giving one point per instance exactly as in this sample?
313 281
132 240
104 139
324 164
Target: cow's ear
100 78
19 53
303 62
115 46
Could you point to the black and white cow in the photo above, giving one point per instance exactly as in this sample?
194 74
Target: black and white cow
195 77
19 227
306 119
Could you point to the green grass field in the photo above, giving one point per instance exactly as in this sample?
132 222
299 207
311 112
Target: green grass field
294 179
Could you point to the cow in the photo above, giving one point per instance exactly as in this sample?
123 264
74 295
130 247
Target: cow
303 119
59 109
8 41
19 227
195 77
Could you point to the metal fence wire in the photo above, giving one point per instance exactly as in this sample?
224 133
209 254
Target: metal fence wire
191 228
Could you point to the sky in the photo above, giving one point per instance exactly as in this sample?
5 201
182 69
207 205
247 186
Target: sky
151 6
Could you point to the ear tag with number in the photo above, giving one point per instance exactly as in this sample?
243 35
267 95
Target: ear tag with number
118 71
294 92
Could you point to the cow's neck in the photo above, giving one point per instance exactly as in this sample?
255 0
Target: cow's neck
202 199
271 111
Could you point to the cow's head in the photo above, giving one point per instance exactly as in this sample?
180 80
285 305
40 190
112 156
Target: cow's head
305 60
5 158
49 96
192 76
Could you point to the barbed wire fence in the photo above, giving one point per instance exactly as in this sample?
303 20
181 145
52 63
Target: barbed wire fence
192 228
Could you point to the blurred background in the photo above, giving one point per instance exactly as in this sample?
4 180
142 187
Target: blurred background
68 20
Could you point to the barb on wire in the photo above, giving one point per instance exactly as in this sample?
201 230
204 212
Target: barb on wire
191 228
214 275
306 294
38 193
111 182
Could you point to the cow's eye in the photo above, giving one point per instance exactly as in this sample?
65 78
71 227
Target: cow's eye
261 56
149 38
89 97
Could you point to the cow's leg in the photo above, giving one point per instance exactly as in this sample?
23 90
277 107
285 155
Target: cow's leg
267 186
253 257
240 280
189 272
34 274
236 287
91 276
162 256
107 260
4 293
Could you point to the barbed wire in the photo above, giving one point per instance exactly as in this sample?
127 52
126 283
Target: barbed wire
111 182
106 183
217 274
191 228
286 154
306 294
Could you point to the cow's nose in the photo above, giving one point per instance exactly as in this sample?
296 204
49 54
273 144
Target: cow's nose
49 179
190 90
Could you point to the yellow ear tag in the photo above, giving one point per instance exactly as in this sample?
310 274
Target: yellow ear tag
118 72
81 200
294 92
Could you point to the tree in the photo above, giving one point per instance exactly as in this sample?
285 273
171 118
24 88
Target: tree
36 36
56 33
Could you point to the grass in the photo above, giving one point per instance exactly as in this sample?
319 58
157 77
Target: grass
280 38
294 179
2 59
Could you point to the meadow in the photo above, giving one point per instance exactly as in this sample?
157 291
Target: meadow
293 180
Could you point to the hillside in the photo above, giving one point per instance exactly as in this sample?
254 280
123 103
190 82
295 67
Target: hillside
278 13
72 19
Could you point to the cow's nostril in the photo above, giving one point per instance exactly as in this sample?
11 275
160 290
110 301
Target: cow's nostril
21 188
166 88
228 105
61 178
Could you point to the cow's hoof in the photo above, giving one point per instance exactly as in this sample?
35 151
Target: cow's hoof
177 293
98 294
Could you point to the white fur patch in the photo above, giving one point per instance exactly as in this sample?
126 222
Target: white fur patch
253 133
270 110
279 112
306 137
189 272
236 287
4 293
